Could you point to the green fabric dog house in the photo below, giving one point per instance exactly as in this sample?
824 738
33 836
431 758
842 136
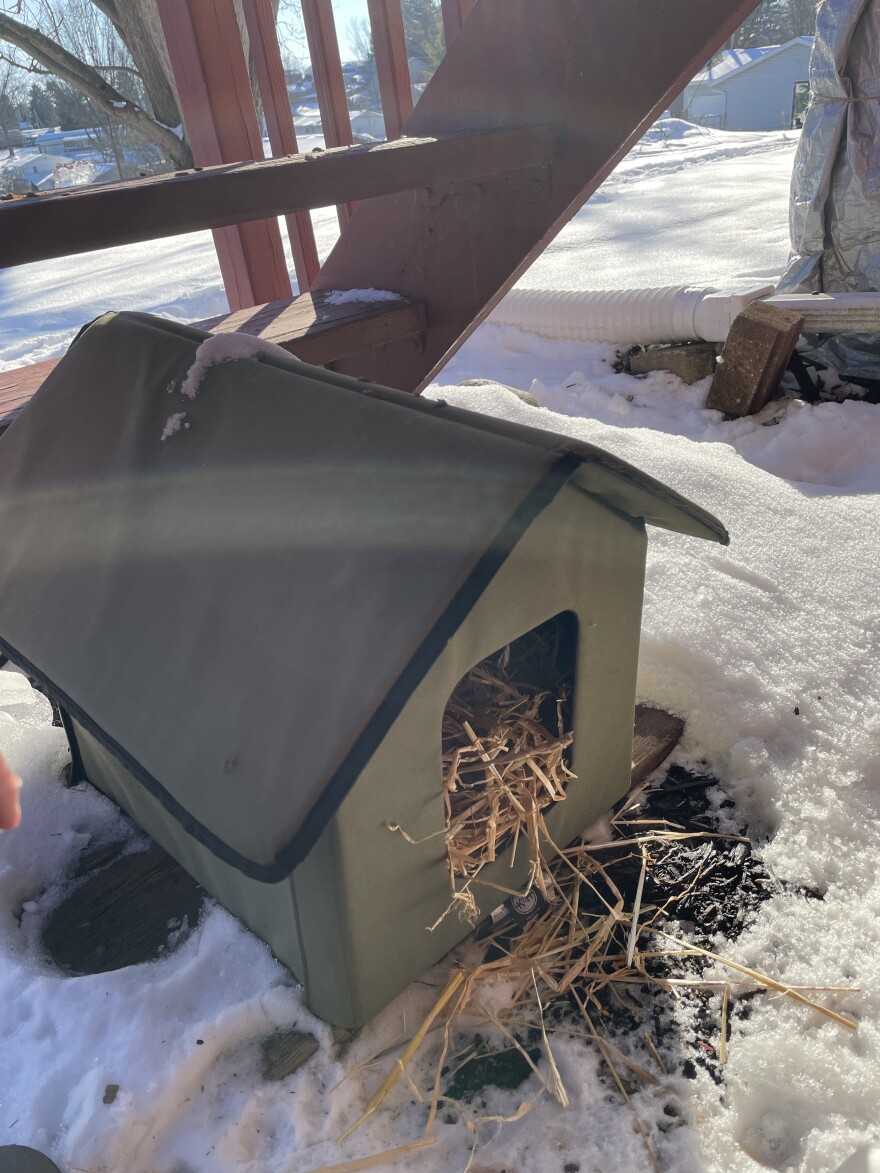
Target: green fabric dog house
254 624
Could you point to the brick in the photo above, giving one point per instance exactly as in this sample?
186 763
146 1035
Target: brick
753 361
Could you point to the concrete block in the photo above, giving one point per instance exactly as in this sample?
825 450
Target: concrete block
690 362
754 358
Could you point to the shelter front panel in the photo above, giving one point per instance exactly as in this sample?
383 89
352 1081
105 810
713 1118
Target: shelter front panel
577 556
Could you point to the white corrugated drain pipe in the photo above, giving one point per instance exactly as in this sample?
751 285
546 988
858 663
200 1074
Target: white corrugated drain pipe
675 313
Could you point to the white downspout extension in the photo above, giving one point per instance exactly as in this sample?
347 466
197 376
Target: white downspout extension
677 313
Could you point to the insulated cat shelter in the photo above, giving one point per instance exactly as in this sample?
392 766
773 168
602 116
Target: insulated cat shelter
254 624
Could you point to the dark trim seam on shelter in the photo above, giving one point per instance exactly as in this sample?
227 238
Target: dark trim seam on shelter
77 770
299 846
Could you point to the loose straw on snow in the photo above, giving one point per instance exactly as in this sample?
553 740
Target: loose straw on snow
504 764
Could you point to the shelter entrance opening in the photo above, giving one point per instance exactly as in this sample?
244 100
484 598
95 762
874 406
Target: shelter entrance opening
507 745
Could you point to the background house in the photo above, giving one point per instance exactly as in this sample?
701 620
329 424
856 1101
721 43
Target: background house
751 89
74 144
367 124
28 170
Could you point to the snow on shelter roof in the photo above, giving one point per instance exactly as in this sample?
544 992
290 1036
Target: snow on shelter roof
177 595
735 60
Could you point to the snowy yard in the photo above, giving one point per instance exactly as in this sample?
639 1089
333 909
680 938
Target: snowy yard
770 649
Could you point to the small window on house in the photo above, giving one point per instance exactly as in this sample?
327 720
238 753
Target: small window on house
508 731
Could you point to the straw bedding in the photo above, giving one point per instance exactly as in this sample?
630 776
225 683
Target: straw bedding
507 735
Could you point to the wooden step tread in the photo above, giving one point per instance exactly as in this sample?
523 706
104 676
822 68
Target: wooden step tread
319 331
18 386
310 326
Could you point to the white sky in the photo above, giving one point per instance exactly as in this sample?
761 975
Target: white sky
343 10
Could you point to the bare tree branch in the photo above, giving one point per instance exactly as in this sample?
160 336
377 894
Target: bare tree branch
118 69
63 64
108 7
25 67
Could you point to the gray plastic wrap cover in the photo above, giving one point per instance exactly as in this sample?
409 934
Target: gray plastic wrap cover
835 192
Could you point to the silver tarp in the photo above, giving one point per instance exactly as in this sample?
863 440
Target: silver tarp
834 212
835 193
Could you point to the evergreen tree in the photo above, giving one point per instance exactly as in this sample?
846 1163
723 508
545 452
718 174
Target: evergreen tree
73 110
423 27
42 107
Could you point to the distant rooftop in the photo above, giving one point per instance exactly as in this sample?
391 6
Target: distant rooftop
733 59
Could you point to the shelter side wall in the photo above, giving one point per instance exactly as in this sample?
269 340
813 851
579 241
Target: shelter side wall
578 555
267 909
761 97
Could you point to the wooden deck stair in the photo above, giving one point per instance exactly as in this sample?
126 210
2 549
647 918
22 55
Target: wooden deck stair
18 386
311 326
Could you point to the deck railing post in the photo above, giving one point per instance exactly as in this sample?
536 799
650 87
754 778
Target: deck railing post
266 55
208 61
455 13
392 67
329 83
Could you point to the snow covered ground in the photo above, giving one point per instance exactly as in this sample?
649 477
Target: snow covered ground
770 649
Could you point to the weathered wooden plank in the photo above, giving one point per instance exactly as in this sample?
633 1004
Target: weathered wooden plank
74 220
760 343
122 915
323 44
600 72
392 67
655 736
318 332
17 387
208 62
284 1052
266 56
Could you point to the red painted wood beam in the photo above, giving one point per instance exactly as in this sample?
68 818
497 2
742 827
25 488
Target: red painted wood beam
392 68
266 55
329 83
208 62
599 72
455 13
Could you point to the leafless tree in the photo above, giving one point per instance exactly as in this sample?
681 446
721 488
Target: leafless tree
774 22
68 38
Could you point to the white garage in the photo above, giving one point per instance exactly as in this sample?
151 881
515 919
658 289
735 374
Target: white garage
751 89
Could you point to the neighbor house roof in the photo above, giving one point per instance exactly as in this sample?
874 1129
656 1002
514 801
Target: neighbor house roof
732 61
30 158
268 583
